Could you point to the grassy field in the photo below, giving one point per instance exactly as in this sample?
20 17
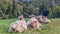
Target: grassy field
53 28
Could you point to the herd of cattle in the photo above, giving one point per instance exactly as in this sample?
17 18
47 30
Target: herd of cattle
34 22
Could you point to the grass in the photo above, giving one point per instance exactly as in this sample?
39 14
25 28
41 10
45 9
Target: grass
53 28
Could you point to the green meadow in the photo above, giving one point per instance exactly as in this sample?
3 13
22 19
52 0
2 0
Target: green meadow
52 28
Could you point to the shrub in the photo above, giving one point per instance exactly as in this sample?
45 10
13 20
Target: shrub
5 17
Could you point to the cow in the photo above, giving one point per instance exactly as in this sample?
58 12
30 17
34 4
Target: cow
18 26
34 23
43 19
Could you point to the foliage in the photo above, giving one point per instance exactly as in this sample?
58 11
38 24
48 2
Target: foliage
14 9
9 7
56 12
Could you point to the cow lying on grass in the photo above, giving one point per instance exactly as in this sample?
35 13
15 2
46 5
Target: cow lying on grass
34 23
43 19
18 26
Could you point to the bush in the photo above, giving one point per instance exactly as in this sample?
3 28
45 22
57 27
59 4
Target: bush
5 17
55 12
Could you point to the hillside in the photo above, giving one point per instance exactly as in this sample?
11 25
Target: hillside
53 28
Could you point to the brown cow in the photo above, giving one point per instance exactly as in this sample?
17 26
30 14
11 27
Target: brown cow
34 23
